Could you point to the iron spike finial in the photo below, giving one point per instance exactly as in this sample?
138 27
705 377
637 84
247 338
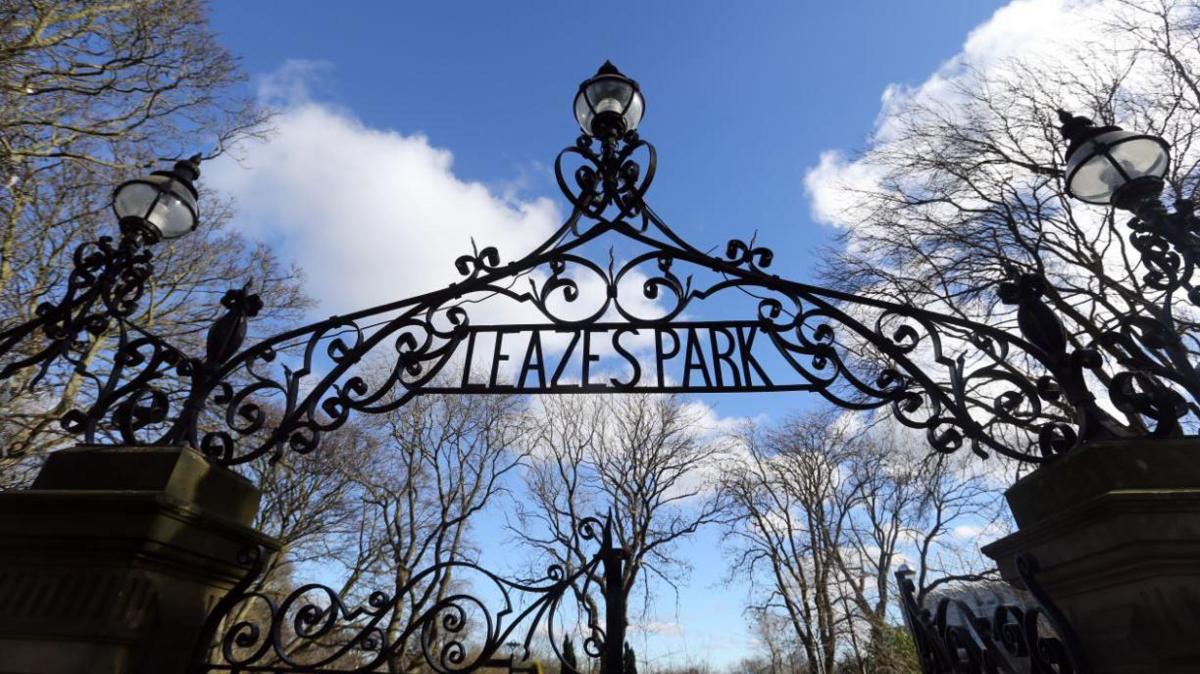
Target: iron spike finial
1073 125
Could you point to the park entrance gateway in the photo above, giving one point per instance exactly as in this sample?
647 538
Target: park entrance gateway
614 294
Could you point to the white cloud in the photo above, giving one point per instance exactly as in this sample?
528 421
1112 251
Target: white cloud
657 628
967 531
832 183
370 214
1033 31
294 83
1032 28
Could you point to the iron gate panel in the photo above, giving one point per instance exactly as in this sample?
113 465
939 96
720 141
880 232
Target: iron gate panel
252 631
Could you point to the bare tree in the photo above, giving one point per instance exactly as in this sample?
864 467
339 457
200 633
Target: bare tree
789 509
776 639
311 507
443 460
959 505
905 504
967 186
823 512
109 83
389 499
645 459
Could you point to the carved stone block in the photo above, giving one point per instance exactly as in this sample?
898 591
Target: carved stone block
111 561
1115 527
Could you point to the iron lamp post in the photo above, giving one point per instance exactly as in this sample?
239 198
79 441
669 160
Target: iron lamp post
107 278
1107 165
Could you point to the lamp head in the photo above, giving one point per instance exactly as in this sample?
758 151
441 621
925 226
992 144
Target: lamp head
161 205
609 104
1108 165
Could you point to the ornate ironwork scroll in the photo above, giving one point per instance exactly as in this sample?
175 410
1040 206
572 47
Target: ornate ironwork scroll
600 325
953 639
447 630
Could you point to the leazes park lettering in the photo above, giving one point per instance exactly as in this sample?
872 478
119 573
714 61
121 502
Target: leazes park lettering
682 356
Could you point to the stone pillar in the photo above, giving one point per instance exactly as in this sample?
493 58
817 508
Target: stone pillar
1115 528
111 561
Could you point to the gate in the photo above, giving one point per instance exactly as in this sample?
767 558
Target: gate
966 385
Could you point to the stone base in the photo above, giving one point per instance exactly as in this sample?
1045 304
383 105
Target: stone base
112 560
1115 528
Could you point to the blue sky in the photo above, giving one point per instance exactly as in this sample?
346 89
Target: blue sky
741 102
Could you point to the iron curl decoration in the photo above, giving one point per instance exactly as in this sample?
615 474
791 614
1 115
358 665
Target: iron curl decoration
1160 380
967 385
609 185
103 291
105 285
313 629
1169 245
954 639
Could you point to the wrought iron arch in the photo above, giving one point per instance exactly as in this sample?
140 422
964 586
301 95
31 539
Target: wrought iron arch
964 383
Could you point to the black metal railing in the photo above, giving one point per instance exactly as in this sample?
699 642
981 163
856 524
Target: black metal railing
1016 638
314 630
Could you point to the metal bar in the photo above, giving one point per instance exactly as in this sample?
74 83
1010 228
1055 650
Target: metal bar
614 604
